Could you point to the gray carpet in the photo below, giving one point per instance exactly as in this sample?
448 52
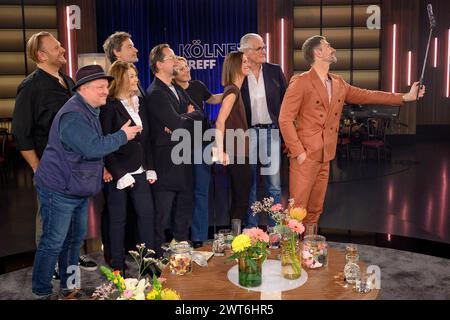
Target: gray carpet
404 275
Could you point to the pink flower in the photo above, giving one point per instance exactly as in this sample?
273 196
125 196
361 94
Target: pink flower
257 234
307 258
277 207
274 237
127 294
296 226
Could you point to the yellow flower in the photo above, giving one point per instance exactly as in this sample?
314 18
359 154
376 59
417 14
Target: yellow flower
121 280
169 294
241 243
297 213
115 281
152 295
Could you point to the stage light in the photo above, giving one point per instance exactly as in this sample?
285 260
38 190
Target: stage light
435 52
409 68
394 47
69 42
85 59
282 44
268 47
448 65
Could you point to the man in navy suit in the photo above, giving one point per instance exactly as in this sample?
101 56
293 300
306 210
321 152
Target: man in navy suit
169 108
262 92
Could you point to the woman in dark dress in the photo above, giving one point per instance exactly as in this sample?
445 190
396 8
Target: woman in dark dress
233 149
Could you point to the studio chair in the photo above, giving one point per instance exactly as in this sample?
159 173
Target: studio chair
344 138
376 139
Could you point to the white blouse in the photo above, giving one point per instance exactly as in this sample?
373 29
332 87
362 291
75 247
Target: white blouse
127 180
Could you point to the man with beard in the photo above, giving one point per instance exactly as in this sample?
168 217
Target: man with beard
39 97
68 174
309 122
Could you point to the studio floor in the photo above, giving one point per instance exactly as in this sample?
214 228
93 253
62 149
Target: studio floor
402 204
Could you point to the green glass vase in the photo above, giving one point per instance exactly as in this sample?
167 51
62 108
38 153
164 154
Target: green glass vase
291 257
250 271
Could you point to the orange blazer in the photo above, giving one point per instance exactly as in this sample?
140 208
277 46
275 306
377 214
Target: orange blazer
309 123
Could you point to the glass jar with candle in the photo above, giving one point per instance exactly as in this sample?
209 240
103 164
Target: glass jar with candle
352 272
351 250
219 245
180 261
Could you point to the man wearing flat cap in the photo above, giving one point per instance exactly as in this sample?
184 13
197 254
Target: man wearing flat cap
69 172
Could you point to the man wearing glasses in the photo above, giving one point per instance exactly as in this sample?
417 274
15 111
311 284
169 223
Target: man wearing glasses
169 108
262 92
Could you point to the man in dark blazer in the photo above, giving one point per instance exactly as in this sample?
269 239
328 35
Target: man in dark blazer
169 108
262 92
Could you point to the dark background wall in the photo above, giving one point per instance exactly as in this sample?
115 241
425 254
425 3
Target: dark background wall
412 25
180 22
225 21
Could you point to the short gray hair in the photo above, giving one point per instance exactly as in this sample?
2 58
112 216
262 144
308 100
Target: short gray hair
244 43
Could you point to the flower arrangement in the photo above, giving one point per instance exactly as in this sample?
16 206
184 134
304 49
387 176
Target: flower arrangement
250 248
287 221
251 243
289 226
139 288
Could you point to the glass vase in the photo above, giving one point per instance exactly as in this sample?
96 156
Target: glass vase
352 271
291 257
315 252
250 271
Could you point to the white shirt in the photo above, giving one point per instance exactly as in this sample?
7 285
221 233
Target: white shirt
258 102
127 180
133 111
172 88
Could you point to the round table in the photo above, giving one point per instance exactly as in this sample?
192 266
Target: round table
211 283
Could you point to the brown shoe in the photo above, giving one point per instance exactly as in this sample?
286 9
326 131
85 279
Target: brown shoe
73 294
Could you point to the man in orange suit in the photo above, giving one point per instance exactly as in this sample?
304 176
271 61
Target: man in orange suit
309 122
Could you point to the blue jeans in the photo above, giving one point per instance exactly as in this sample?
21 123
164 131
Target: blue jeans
200 209
64 225
261 143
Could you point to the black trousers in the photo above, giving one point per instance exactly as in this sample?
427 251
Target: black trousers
117 201
131 232
240 185
174 212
